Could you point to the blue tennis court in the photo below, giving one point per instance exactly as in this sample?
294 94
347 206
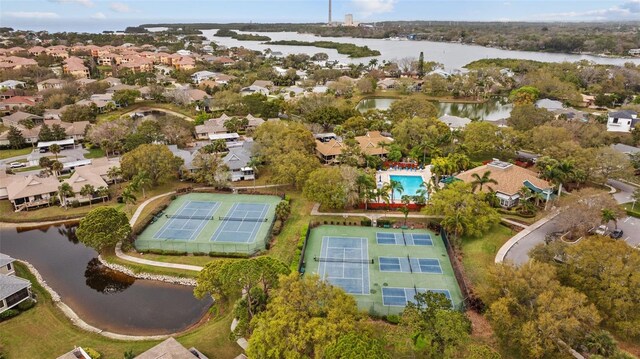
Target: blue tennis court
335 254
191 222
399 297
409 239
241 223
410 265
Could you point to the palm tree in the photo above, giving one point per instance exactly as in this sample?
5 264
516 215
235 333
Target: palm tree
479 181
405 209
254 162
103 192
87 191
113 173
395 186
55 149
65 190
366 184
382 193
56 167
608 216
128 197
373 63
140 181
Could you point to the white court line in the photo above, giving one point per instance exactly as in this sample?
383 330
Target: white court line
203 223
223 225
256 225
167 225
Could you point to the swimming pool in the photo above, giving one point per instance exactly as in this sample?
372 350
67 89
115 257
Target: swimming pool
410 184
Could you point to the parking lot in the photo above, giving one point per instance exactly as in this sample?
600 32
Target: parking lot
631 228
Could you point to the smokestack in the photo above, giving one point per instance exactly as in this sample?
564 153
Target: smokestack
329 12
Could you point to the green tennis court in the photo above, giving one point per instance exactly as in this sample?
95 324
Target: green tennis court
212 222
382 268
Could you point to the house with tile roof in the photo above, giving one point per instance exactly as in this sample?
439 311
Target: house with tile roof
510 180
81 177
370 144
32 191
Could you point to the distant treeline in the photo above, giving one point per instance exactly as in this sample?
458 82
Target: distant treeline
597 38
241 37
343 48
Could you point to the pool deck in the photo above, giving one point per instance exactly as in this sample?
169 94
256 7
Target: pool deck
385 176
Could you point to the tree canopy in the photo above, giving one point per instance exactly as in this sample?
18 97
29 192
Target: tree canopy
156 160
103 227
411 107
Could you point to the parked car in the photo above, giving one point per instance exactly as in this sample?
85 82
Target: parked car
17 164
601 230
616 233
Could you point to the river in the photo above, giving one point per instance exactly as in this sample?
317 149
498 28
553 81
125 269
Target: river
103 298
451 55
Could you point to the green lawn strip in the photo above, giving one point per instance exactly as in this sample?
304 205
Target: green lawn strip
25 169
633 211
45 214
283 247
143 268
94 153
189 259
479 253
14 153
56 335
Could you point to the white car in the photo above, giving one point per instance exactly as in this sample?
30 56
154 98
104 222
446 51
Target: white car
17 164
601 230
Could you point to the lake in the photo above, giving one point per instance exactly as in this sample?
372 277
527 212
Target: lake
493 109
106 299
451 55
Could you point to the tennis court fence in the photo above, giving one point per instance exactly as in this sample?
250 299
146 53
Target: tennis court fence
375 307
195 247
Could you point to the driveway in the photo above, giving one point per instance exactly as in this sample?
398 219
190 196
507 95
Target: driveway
631 228
71 155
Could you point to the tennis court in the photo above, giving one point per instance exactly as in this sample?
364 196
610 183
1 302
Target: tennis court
404 239
344 262
398 297
410 265
378 268
211 222
241 223
191 219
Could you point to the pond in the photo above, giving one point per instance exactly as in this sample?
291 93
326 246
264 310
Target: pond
493 109
106 299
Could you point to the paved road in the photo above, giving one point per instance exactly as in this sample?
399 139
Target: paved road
519 253
66 156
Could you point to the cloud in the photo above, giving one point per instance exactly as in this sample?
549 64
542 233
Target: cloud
119 7
99 16
370 7
629 10
87 3
32 15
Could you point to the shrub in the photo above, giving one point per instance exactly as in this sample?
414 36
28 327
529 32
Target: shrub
228 255
26 305
92 353
9 313
277 227
365 223
199 254
75 203
393 319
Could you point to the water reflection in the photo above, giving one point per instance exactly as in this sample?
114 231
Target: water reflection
493 109
105 280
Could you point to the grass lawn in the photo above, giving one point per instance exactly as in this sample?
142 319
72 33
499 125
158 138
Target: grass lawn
190 259
56 335
283 247
143 268
635 212
25 169
13 153
479 253
94 153
44 214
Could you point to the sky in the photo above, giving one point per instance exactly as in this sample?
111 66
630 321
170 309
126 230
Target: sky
99 15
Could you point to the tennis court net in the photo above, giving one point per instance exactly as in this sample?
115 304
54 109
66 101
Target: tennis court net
189 217
241 219
343 260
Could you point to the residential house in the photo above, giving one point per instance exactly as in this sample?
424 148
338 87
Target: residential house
254 89
112 81
212 126
15 118
171 348
84 81
370 145
387 84
455 122
30 135
51 84
549 105
32 191
187 157
200 76
510 180
15 62
81 177
9 93
74 130
121 87
11 84
17 102
588 100
75 67
253 122
237 160
13 290
621 121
